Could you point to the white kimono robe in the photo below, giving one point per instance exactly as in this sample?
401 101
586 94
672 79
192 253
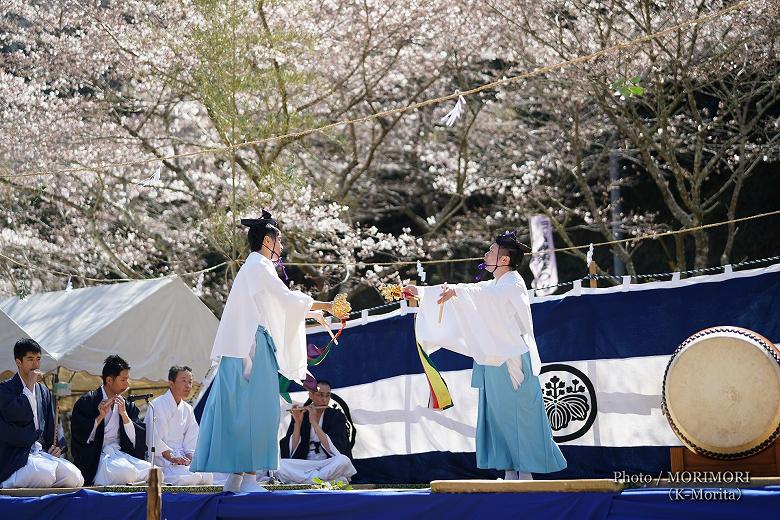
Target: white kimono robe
491 323
488 321
43 470
175 430
238 430
259 298
117 468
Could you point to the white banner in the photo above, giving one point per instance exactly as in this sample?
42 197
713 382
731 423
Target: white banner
392 415
543 266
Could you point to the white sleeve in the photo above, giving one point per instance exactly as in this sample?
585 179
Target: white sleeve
520 301
515 368
91 437
129 430
286 321
518 297
292 449
268 281
333 451
472 288
456 325
433 291
157 426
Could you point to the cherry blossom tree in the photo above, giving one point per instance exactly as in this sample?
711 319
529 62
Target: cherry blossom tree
163 119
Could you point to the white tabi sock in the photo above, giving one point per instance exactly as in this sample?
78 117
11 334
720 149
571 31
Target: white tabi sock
511 474
233 483
250 485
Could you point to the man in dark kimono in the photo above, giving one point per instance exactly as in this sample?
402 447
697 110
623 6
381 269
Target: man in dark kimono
316 444
28 456
109 439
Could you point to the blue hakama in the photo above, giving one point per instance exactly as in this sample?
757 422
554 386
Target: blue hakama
241 418
513 432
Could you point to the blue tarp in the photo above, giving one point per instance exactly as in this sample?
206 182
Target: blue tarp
394 505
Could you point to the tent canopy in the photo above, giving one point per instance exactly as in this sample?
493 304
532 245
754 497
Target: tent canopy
153 324
10 333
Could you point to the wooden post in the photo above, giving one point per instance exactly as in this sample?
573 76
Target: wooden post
592 269
154 495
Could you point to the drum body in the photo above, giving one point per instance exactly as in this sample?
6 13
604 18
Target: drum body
721 392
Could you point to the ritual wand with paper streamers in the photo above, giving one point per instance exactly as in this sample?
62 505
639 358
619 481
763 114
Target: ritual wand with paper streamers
394 292
440 398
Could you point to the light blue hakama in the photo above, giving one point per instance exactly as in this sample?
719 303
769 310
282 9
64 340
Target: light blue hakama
513 432
241 418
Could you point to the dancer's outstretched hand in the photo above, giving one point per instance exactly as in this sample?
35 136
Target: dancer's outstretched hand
446 293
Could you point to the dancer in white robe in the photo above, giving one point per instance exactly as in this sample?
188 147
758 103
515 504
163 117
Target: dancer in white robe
491 322
260 335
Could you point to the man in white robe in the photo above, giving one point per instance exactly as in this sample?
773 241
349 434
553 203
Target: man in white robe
108 438
29 458
173 431
316 444
491 322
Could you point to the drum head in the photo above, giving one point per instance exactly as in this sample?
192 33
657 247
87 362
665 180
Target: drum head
721 392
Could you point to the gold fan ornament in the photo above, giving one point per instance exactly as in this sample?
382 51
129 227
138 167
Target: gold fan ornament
341 307
391 292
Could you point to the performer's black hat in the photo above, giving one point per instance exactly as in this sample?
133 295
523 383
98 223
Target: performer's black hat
259 228
511 246
510 240
260 223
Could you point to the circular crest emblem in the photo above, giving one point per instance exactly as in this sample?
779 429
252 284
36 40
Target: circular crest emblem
569 400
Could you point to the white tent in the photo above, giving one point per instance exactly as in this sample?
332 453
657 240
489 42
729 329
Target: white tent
10 333
153 324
